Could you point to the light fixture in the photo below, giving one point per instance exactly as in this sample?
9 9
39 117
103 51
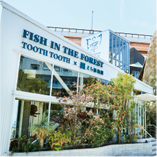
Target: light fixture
32 102
127 71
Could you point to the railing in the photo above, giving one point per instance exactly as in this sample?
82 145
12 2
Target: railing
152 129
147 133
35 140
89 31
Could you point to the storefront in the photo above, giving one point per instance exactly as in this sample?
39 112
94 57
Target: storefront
36 64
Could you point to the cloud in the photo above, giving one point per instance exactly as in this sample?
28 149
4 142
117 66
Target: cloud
122 9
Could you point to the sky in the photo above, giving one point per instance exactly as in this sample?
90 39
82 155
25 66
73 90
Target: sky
130 16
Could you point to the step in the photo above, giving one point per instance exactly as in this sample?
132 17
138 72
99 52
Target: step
153 140
154 152
154 143
154 147
143 140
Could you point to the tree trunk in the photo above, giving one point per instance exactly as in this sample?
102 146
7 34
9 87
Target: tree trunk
118 137
42 143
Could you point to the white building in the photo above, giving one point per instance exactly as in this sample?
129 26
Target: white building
35 64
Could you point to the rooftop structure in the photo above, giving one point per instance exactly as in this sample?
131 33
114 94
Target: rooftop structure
139 41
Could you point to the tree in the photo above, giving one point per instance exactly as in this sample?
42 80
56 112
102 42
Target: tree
42 128
125 84
153 83
34 85
151 113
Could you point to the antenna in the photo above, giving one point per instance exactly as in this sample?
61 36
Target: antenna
92 20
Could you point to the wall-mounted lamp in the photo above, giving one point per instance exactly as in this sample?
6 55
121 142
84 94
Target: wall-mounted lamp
127 71
32 102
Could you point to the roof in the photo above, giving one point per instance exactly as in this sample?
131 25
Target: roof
146 97
137 64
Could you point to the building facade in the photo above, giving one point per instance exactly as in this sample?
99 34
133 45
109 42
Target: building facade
109 46
36 64
136 62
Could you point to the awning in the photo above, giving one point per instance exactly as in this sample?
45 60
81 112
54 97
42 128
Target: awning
146 97
137 64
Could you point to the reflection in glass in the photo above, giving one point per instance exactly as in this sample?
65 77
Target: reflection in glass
117 63
111 42
119 50
104 81
34 76
135 73
114 62
65 79
26 114
56 113
83 78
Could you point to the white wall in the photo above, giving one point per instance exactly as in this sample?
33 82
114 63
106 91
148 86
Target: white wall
101 49
140 149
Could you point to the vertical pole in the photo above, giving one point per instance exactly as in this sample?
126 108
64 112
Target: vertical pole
145 116
77 82
92 21
135 116
138 117
52 69
51 79
18 67
49 111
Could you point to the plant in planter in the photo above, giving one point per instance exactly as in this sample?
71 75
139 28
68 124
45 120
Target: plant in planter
24 145
58 139
74 119
100 131
80 123
42 128
125 84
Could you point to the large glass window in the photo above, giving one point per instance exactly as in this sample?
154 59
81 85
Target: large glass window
83 78
63 81
119 52
26 114
104 81
34 76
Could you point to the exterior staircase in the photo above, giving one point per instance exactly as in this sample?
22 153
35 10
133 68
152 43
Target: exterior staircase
154 145
152 129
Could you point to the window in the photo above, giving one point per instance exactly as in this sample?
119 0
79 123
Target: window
45 66
33 79
119 52
57 68
65 70
35 66
63 81
135 74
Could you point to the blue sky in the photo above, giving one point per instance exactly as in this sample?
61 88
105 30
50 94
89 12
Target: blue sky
130 16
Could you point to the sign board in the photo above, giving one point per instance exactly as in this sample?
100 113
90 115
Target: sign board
97 44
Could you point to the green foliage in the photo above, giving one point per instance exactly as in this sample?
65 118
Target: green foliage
130 122
151 113
42 128
24 145
101 131
33 85
89 81
153 83
125 84
58 139
79 127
